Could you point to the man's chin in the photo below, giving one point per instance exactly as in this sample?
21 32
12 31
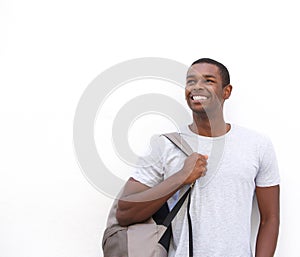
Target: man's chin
199 110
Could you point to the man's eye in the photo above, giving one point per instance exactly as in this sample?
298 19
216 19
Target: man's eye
190 82
209 81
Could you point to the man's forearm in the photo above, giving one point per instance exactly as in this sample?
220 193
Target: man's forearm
138 202
267 238
139 206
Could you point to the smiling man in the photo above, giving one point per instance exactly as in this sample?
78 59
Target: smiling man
230 164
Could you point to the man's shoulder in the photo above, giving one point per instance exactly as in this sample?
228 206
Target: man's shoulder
249 133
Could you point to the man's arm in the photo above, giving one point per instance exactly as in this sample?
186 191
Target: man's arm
138 202
268 204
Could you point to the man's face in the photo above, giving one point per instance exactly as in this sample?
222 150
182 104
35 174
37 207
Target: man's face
204 91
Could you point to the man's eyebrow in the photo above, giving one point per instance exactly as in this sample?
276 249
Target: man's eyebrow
204 76
209 76
190 76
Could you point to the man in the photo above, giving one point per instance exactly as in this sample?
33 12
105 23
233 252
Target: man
229 165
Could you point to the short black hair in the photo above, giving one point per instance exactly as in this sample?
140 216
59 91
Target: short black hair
223 70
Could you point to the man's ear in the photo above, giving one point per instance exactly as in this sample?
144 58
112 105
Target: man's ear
227 91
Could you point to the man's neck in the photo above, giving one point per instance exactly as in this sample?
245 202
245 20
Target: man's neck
213 127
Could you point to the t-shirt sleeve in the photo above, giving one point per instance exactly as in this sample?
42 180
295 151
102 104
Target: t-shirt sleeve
268 172
149 169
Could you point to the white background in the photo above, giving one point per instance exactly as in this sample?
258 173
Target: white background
51 50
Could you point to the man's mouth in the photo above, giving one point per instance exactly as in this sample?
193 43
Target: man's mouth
199 97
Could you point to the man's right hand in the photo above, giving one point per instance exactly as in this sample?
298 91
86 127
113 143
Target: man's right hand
195 166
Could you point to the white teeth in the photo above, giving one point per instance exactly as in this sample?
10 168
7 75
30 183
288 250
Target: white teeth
199 97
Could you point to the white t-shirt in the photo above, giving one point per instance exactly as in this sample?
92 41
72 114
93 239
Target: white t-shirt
221 201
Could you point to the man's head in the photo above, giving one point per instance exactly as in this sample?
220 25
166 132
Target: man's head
207 86
222 69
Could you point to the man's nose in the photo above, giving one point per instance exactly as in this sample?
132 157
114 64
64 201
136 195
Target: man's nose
200 84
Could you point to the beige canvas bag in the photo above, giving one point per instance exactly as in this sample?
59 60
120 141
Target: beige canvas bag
148 239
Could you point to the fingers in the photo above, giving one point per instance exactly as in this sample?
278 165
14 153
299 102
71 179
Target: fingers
195 166
199 156
201 162
202 169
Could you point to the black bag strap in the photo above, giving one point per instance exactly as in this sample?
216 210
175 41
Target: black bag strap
171 215
191 246
177 140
